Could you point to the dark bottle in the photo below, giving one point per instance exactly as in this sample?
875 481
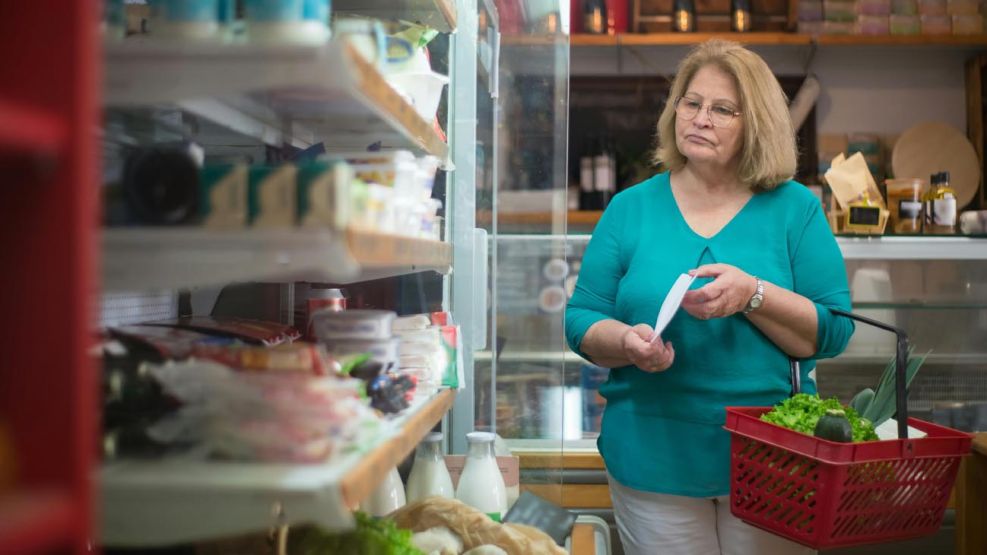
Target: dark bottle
595 17
740 16
684 16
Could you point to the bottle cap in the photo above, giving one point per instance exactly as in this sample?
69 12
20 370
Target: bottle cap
480 437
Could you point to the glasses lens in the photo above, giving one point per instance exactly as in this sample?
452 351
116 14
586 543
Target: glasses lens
721 116
687 107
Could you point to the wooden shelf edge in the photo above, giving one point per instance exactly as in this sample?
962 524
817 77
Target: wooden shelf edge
35 521
374 249
358 483
448 10
557 460
573 217
583 540
980 443
378 95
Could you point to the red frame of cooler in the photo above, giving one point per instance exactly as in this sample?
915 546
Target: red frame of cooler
825 494
49 212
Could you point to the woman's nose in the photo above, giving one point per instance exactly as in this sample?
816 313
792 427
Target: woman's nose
703 118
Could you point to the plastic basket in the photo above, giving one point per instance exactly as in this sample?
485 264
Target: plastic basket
825 494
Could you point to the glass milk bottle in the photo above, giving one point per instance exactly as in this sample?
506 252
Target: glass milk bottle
388 497
481 484
429 475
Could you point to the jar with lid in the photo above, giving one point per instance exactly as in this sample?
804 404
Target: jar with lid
429 476
940 206
481 485
905 204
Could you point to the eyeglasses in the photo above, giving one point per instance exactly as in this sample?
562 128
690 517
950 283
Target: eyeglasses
720 115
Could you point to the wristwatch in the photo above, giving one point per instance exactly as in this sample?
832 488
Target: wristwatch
758 297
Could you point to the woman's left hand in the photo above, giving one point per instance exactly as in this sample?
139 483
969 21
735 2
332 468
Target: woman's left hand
726 295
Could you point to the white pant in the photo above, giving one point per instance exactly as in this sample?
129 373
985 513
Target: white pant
658 524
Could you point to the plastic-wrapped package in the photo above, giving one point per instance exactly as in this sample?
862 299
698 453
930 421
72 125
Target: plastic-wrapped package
262 417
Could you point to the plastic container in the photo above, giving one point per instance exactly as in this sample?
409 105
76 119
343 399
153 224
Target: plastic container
366 325
968 24
873 7
963 7
905 204
932 7
287 21
936 25
422 89
196 20
840 10
873 25
905 24
365 35
904 7
824 494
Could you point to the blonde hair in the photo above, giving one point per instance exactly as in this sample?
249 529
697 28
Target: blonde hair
768 156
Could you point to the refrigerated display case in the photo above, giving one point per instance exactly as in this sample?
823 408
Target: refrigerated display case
248 104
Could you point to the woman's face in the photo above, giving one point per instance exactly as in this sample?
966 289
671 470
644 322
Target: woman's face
698 139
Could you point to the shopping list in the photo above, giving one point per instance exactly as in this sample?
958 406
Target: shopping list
671 304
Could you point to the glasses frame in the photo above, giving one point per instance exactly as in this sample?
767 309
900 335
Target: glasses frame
709 113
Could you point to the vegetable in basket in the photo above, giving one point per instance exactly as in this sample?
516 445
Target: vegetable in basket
372 536
879 406
802 413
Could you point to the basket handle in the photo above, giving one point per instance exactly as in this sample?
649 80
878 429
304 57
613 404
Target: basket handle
901 363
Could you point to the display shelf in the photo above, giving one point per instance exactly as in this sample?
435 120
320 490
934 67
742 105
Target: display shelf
438 14
35 521
327 94
167 258
581 218
940 359
28 130
154 503
913 248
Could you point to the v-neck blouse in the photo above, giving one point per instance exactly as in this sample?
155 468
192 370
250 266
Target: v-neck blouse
662 431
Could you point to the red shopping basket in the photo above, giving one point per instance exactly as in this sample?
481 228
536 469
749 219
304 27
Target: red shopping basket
825 494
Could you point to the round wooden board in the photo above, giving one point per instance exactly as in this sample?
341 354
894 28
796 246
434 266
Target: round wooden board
932 147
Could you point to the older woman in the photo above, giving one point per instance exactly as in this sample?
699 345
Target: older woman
767 271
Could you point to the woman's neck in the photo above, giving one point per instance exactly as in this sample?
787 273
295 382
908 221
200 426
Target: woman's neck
712 180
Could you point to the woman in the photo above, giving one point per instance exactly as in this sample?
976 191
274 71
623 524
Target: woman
767 269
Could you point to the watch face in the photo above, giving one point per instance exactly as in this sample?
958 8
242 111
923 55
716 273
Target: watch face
755 302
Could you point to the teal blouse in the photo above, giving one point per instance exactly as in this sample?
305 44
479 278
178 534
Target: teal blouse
663 432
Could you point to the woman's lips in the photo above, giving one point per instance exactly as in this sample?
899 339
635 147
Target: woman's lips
698 139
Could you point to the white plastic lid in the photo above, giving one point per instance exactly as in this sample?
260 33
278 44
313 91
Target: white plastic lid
480 437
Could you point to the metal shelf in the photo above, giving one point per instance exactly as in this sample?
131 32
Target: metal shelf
305 94
438 14
137 259
166 502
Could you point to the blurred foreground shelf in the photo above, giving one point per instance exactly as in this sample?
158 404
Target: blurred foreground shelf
167 502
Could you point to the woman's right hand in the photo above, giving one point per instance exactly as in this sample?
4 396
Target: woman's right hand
648 356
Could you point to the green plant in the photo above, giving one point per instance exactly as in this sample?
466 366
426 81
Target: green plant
878 406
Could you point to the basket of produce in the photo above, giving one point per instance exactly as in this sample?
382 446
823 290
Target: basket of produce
815 472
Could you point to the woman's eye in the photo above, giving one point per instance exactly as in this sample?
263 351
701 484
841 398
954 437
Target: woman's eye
723 110
692 104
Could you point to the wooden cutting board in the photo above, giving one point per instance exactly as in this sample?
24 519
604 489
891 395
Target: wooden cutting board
933 147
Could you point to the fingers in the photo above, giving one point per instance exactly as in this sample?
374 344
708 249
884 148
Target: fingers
660 361
643 331
709 270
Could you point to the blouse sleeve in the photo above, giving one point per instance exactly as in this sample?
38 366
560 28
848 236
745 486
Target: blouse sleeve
820 275
594 298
